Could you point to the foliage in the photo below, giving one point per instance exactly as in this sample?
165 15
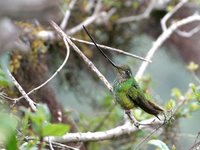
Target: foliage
159 144
14 131
3 79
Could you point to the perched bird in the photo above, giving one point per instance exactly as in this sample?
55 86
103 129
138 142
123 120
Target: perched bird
127 91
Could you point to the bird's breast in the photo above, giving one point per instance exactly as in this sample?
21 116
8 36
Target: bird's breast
120 92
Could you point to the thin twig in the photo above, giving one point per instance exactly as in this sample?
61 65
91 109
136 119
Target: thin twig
96 16
67 14
86 22
62 146
110 48
57 71
162 38
188 34
50 145
196 77
148 136
85 59
49 35
197 137
106 116
171 13
196 146
139 17
178 106
18 86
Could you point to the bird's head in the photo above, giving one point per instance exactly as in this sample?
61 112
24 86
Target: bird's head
123 73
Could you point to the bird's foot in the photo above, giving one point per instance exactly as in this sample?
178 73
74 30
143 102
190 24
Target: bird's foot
137 124
132 118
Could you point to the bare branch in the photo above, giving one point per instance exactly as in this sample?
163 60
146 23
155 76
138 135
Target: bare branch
97 16
86 22
50 144
67 14
195 146
139 17
103 135
110 48
18 86
86 60
162 38
189 33
57 71
169 14
49 35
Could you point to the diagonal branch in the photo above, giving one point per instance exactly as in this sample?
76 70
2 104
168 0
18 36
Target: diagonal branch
86 22
162 38
190 33
21 90
67 14
139 17
169 14
85 59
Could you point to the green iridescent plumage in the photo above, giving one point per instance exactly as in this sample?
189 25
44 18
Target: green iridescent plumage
127 91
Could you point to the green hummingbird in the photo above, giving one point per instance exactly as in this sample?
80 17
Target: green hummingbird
126 90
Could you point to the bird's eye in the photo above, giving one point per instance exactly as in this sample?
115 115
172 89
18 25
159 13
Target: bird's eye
128 73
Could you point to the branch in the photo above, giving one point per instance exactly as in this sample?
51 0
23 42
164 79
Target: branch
110 48
67 14
162 38
97 16
86 22
57 71
85 59
103 135
49 35
28 99
139 17
189 33
169 14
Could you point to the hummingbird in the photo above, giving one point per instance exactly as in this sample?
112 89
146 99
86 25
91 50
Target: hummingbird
127 91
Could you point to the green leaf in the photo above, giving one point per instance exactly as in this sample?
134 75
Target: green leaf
170 104
8 125
43 112
38 118
192 66
12 142
160 144
54 129
194 106
176 93
8 121
4 82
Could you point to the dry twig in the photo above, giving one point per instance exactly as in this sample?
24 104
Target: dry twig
85 59
49 35
162 38
139 17
57 71
67 14
18 86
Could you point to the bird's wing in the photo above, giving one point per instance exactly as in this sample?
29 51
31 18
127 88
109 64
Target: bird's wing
137 96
